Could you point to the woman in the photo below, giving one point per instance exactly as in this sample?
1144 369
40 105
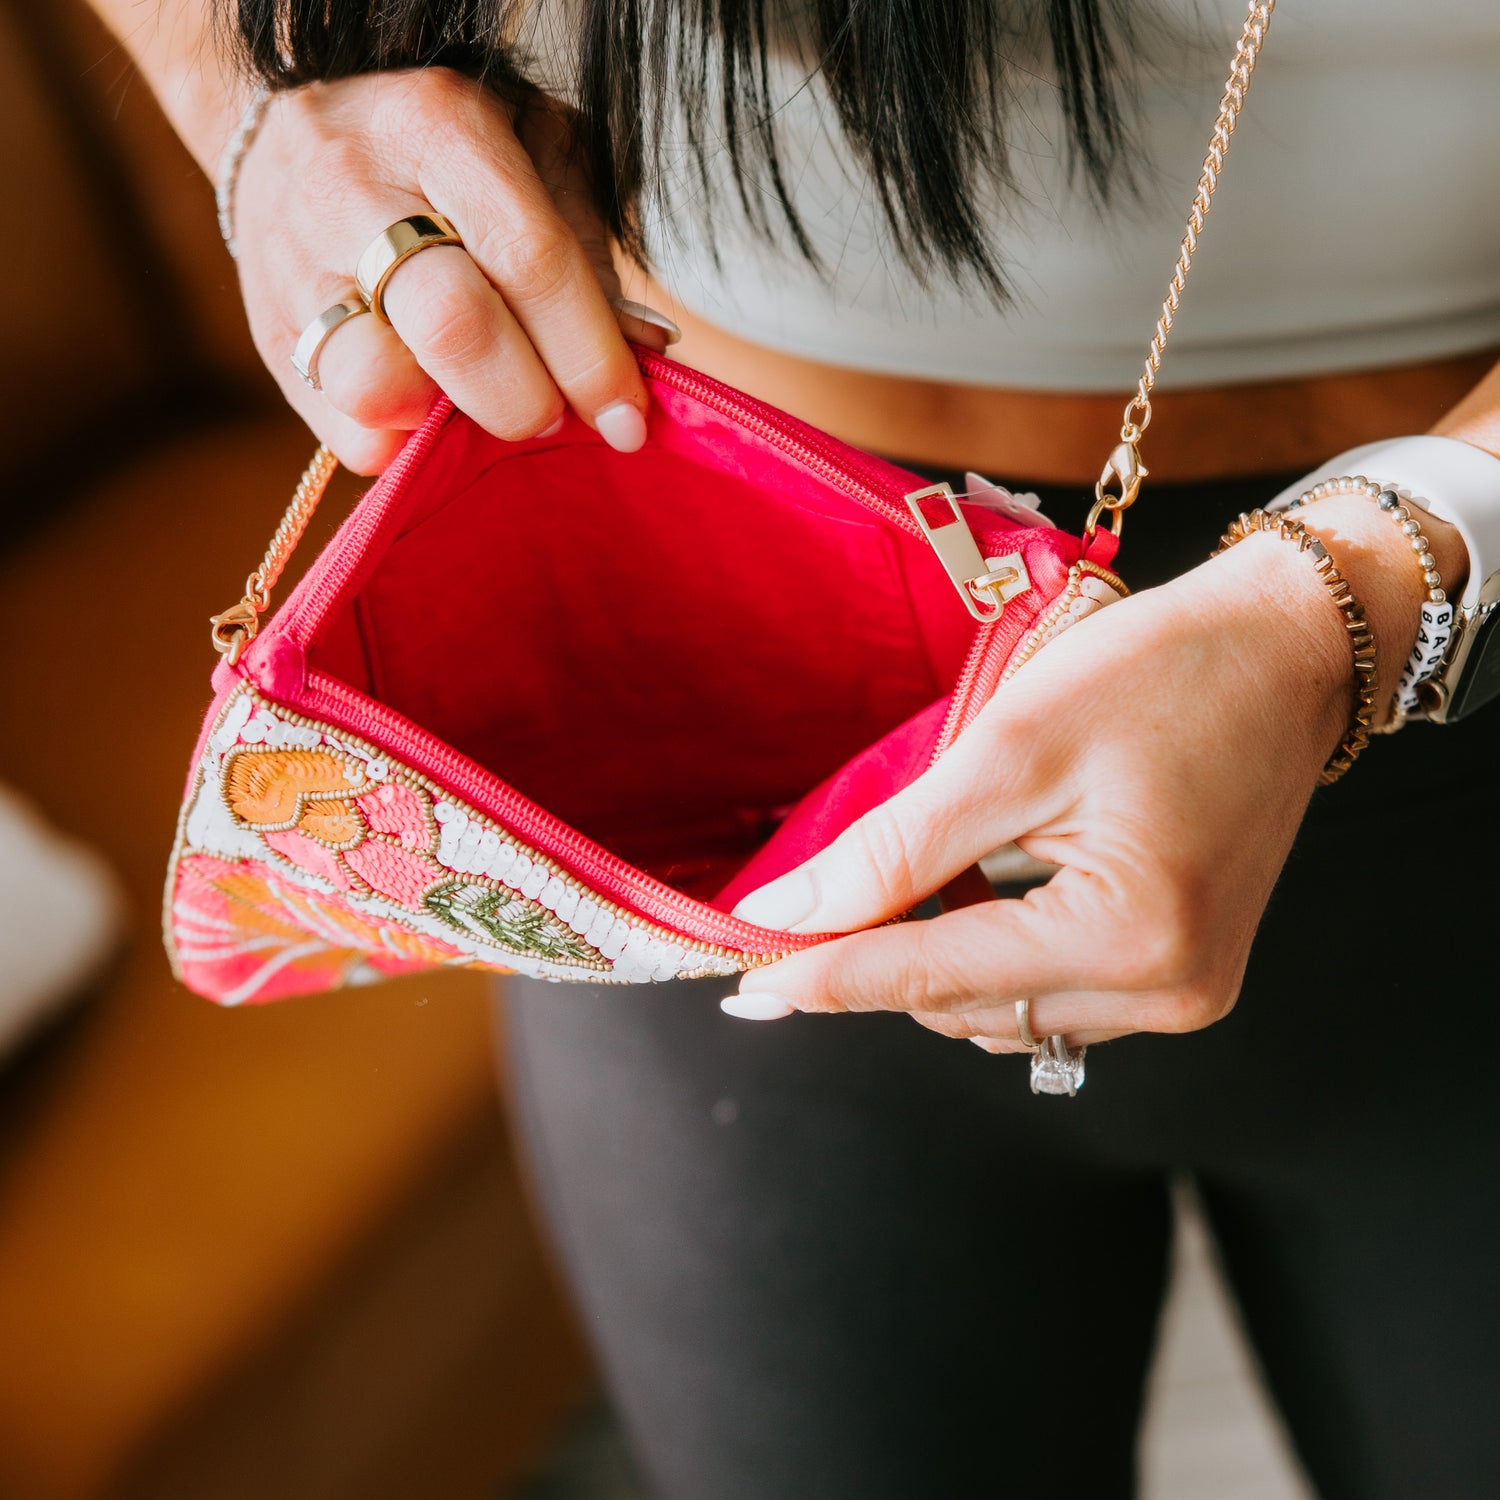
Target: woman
850 1258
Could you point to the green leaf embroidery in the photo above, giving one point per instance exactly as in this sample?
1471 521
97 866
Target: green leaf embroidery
510 921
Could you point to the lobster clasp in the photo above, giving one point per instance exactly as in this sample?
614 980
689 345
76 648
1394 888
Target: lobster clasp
1119 484
234 629
1125 469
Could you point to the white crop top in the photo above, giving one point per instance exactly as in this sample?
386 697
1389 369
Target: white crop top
1357 223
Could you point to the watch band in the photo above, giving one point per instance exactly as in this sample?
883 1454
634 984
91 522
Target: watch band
1460 484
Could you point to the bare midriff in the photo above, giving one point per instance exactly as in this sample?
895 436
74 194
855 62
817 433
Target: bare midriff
1265 427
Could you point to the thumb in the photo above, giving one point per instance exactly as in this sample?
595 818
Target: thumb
900 852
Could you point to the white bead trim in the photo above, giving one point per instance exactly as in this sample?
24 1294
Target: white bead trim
633 951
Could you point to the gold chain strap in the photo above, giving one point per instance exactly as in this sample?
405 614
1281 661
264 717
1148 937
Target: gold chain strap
1124 468
235 628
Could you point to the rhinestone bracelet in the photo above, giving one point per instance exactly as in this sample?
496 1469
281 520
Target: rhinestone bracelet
1435 628
1361 637
230 161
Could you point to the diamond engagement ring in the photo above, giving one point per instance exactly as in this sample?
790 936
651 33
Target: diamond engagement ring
1057 1068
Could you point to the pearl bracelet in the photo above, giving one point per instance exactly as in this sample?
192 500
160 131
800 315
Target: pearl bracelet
1435 627
229 165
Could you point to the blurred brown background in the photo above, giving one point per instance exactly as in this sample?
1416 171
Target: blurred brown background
242 1253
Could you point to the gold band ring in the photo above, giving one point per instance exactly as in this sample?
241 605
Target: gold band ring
317 333
394 244
1023 1025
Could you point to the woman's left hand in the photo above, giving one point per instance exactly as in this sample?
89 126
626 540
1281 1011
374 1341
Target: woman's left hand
1161 753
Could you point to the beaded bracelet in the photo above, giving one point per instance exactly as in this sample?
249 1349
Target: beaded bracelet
229 165
1361 637
1435 629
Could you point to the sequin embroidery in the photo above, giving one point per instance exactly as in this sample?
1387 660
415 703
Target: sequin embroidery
306 860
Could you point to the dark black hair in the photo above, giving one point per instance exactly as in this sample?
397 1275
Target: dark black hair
918 88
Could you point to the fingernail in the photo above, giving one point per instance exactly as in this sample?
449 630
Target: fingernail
756 1007
782 904
648 315
556 427
621 426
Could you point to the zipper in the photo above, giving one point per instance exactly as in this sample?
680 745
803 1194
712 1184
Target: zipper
327 701
985 584
864 482
974 677
870 486
360 530
825 456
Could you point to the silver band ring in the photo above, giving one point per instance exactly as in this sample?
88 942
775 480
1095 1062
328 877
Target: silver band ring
396 243
1023 1025
312 338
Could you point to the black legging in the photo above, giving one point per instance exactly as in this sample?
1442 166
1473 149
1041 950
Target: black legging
842 1258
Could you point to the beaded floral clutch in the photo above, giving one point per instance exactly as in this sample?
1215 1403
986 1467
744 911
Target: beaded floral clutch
547 708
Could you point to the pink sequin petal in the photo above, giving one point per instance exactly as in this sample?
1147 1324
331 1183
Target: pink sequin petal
398 874
397 810
310 856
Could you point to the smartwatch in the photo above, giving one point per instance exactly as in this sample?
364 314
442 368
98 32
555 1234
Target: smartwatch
1460 484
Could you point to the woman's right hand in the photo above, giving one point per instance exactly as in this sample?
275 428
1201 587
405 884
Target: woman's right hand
515 327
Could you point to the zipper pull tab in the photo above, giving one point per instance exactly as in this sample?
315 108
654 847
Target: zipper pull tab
985 584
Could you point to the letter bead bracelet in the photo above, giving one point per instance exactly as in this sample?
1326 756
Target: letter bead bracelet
1361 637
1435 629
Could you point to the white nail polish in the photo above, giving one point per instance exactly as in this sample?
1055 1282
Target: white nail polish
648 315
621 426
556 427
782 905
757 1007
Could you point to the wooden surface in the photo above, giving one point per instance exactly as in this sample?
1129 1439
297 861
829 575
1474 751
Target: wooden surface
290 1234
